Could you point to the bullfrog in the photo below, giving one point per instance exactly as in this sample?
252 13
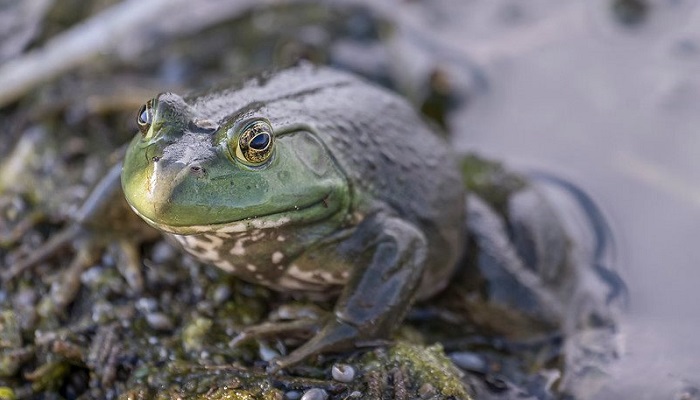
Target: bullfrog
309 180
315 182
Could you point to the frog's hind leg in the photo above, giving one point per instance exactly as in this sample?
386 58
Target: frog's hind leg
578 208
373 303
592 341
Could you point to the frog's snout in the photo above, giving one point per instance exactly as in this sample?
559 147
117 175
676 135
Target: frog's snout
166 178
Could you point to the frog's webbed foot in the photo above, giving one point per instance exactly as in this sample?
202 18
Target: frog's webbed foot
268 329
327 334
335 335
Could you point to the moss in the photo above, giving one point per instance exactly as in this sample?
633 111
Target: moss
49 376
7 393
194 333
236 394
431 366
10 341
412 371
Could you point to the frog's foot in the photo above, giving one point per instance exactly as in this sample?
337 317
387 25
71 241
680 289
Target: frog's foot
335 336
276 329
288 319
327 333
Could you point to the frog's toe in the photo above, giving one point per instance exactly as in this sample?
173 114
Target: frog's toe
335 336
273 329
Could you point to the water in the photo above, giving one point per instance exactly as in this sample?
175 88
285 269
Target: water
617 110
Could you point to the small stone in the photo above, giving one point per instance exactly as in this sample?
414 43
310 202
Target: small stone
496 382
343 373
102 312
146 304
267 353
221 294
426 391
315 394
159 321
163 252
470 361
292 395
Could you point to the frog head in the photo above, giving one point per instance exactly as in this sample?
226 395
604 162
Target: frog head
185 173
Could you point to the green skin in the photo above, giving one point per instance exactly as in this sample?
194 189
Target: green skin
355 197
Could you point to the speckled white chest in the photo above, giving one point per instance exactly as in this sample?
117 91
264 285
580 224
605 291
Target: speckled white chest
231 252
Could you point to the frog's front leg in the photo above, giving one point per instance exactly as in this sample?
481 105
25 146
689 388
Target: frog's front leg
390 256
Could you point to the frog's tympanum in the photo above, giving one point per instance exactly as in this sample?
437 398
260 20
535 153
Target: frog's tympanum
308 180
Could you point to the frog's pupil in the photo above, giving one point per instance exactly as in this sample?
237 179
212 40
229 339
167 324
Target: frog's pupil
260 142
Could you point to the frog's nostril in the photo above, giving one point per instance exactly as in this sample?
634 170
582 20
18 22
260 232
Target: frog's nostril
198 170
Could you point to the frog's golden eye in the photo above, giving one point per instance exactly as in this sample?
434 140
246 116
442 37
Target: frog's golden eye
255 143
145 117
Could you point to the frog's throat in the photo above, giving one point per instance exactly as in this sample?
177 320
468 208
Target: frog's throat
274 220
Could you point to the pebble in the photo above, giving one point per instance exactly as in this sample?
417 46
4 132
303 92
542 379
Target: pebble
292 395
163 252
159 321
427 391
101 312
221 294
146 305
315 394
267 353
469 361
343 373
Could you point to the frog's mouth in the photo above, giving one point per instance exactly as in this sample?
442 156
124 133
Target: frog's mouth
308 213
